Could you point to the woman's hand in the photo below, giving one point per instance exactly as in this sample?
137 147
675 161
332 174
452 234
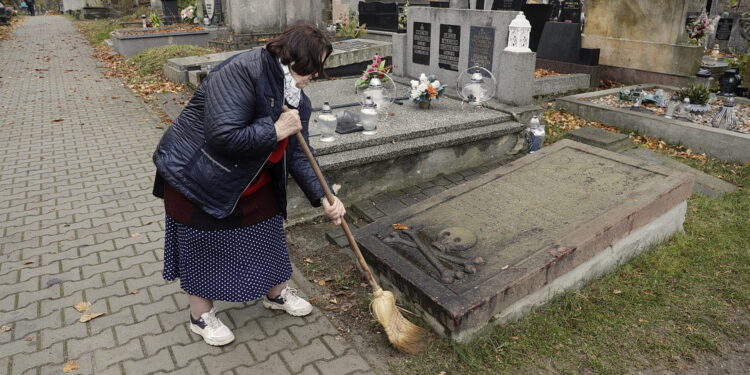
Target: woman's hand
335 211
288 123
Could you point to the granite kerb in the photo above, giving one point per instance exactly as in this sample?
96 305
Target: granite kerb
718 143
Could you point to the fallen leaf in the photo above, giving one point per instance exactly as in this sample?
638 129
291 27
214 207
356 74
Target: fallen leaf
30 338
349 268
399 227
516 337
25 262
159 127
321 282
346 307
364 285
58 120
136 234
333 301
86 317
71 366
307 260
617 291
505 267
641 320
82 306
134 291
5 328
330 308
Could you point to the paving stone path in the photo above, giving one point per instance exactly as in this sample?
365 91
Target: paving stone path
75 183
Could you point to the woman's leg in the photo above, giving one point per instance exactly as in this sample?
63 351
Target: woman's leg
275 291
199 305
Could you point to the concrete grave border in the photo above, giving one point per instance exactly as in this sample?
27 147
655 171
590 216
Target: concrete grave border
129 45
718 143
561 83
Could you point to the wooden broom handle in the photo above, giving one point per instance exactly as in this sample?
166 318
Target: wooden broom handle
344 225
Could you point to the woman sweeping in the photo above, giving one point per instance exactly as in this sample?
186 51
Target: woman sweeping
222 172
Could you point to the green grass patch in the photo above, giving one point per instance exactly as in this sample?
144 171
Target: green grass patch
151 61
96 31
671 305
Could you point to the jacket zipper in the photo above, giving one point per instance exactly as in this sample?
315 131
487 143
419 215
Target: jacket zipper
248 184
215 161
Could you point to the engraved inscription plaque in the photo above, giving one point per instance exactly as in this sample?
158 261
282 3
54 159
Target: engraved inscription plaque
421 48
481 46
724 29
448 49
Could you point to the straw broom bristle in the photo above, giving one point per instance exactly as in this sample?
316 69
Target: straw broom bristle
403 334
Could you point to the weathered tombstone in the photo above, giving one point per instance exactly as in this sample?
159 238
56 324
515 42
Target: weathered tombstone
449 47
571 11
637 36
379 16
492 249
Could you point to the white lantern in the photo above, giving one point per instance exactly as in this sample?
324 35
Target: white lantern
519 34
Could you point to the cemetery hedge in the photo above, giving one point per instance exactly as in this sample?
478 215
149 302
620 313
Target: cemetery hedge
684 302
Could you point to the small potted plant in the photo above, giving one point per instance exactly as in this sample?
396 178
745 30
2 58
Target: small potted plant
425 90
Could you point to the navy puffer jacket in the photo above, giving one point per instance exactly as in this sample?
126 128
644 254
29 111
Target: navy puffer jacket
224 136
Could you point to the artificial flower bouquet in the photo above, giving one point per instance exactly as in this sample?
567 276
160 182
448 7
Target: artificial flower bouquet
377 69
701 27
426 89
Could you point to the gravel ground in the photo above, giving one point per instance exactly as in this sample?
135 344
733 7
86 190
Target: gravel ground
741 111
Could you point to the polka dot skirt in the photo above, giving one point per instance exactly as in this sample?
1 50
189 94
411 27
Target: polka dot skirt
228 265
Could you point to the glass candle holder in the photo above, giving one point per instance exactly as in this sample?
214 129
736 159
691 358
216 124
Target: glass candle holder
327 124
368 116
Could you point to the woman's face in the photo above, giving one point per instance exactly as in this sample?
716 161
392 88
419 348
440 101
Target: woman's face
303 81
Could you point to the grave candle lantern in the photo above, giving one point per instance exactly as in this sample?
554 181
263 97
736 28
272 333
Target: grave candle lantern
376 92
726 119
535 135
672 106
704 77
327 122
519 34
368 115
143 21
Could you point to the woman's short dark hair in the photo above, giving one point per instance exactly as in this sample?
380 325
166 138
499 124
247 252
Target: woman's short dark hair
302 44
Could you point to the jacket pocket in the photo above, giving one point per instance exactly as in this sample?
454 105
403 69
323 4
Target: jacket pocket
213 174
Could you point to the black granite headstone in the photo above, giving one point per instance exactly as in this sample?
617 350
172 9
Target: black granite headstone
421 44
724 28
171 14
537 15
379 16
571 11
449 47
481 46
560 41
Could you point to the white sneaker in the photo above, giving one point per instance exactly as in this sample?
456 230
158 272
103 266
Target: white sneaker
209 326
290 302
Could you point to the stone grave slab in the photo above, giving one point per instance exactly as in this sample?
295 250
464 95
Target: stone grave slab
406 122
543 224
601 138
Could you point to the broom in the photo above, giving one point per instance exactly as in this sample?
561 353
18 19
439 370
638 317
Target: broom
403 334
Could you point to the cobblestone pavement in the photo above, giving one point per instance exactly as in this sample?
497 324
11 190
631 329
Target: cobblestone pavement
79 224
